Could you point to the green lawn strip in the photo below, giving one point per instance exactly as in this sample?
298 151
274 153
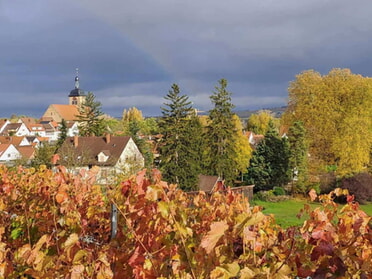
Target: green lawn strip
285 211
367 208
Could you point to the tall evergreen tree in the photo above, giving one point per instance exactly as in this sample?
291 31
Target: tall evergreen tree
269 166
179 161
63 134
220 135
298 159
91 122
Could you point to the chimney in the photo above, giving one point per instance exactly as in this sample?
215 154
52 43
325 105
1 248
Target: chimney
108 138
76 141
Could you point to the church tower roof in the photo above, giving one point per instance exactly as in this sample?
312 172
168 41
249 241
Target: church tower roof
76 92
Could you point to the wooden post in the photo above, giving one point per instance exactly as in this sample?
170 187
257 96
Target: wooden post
114 221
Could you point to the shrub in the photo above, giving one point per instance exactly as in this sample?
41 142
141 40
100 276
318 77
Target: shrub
270 196
359 185
328 182
278 191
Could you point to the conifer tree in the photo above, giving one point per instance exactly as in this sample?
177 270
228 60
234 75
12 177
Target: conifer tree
221 159
298 159
90 117
180 159
269 166
63 134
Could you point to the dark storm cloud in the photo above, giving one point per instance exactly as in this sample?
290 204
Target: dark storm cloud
130 52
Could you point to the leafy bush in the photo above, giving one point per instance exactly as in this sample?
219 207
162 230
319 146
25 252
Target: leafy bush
359 185
278 191
270 196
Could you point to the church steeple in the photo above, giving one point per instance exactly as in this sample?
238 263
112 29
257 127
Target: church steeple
77 79
76 96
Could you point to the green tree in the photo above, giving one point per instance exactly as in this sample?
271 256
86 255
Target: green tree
63 134
221 147
269 166
90 118
259 123
112 125
43 155
179 160
299 153
138 128
150 126
143 146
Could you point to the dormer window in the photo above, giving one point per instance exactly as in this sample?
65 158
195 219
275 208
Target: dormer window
102 157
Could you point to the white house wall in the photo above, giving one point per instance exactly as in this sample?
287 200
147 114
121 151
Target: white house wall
10 154
23 131
130 153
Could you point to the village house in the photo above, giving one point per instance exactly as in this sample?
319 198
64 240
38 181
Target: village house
9 154
27 153
113 154
15 129
253 139
25 149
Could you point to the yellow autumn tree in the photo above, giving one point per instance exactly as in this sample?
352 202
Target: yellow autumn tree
243 148
130 116
336 110
258 123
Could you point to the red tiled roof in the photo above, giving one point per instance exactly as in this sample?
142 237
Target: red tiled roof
27 151
11 139
4 147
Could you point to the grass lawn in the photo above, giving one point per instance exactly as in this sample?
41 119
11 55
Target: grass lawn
285 211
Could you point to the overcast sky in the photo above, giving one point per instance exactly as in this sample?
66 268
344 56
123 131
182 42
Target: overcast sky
130 52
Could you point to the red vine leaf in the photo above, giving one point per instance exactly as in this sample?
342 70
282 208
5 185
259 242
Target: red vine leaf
312 195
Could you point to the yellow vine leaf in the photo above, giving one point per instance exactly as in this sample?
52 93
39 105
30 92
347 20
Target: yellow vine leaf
77 271
71 240
247 273
225 271
210 240
153 193
284 271
79 256
163 208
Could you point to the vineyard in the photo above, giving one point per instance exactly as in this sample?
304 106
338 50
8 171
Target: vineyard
55 225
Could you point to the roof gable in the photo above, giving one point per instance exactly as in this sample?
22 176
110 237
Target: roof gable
208 183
